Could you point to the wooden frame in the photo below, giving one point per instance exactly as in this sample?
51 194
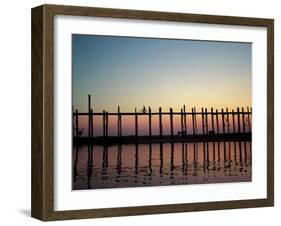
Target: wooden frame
42 112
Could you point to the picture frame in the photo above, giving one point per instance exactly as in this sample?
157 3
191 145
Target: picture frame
43 108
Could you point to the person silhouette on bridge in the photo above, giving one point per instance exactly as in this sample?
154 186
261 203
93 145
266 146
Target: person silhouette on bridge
144 109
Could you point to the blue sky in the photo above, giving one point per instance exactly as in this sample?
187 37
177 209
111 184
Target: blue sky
132 72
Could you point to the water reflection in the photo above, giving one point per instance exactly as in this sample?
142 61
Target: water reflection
160 164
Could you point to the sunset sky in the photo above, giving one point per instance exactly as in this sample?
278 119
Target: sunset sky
132 72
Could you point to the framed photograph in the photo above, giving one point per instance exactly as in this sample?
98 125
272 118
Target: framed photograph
141 112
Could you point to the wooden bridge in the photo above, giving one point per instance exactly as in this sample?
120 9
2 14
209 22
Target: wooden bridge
238 120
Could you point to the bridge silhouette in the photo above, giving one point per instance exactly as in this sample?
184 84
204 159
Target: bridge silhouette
223 125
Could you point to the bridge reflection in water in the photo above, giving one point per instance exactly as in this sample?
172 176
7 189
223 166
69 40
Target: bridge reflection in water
135 165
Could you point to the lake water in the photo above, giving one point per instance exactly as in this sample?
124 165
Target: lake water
117 166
